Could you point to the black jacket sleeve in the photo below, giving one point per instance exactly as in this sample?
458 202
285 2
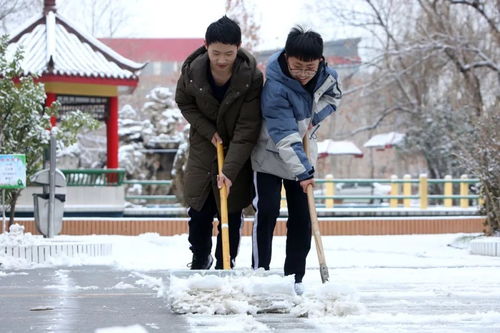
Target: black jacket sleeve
187 104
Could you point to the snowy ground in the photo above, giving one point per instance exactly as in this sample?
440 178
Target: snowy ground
410 283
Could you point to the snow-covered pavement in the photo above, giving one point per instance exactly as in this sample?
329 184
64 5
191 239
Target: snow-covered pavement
408 283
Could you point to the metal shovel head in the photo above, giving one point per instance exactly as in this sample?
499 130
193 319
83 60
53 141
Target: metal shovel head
238 272
226 292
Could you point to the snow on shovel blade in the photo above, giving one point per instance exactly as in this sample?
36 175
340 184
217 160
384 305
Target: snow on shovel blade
230 292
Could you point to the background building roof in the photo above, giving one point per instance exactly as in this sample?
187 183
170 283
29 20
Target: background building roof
337 52
53 46
385 140
154 49
330 147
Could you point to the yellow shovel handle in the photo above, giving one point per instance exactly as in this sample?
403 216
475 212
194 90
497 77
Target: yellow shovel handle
226 257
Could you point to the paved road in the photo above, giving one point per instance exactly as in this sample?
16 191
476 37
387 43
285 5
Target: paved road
81 299
85 298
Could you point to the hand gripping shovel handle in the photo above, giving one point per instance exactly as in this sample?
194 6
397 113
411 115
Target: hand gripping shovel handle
323 269
226 257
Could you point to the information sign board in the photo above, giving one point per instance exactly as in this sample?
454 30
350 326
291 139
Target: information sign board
12 171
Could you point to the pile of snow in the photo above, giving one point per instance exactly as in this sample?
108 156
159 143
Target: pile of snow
251 293
17 237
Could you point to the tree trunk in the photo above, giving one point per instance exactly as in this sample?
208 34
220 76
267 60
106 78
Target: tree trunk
14 195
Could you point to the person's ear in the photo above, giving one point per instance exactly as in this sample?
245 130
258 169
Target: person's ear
205 44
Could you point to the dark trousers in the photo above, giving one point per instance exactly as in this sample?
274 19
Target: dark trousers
200 231
267 206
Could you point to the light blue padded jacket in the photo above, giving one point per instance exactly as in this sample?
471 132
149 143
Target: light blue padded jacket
287 110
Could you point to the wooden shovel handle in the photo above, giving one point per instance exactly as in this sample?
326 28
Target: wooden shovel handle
323 269
226 256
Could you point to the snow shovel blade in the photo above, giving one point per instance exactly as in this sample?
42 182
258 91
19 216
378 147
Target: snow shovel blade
230 291
186 273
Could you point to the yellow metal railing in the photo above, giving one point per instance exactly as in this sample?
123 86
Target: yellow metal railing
422 195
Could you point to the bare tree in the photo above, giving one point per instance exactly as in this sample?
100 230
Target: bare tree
439 53
470 43
237 10
15 12
434 74
104 18
487 9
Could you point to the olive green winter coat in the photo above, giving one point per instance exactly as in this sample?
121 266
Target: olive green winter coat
237 119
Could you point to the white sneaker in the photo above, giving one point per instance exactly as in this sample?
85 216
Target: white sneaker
299 288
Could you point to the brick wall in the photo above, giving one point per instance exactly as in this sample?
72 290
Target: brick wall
336 226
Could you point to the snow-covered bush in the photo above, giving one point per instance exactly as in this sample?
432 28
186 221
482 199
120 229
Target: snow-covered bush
166 119
179 167
146 138
433 133
480 155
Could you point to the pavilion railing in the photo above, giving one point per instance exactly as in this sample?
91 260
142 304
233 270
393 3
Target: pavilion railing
94 177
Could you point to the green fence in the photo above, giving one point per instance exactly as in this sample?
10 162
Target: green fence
395 192
94 177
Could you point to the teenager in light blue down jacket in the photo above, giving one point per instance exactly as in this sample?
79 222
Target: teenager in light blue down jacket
300 91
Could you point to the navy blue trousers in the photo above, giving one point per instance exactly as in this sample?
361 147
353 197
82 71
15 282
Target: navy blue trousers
267 206
200 231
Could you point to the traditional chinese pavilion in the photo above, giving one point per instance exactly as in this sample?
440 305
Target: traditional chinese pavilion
78 71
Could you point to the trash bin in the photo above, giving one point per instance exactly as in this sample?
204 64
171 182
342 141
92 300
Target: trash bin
41 201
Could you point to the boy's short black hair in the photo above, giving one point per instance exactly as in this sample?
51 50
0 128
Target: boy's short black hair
304 45
225 31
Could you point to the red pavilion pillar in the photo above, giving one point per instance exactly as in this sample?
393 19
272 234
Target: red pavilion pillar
51 98
113 140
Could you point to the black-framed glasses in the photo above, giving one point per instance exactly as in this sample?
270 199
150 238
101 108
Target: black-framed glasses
303 72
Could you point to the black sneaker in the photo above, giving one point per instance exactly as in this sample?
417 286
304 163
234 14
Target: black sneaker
202 262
